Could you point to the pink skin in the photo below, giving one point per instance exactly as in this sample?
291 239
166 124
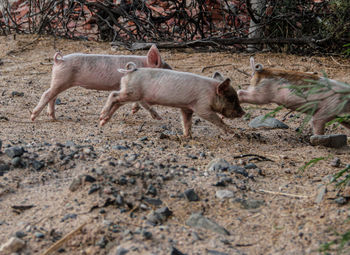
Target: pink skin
189 92
92 71
268 86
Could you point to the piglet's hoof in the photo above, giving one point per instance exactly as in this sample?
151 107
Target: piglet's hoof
333 141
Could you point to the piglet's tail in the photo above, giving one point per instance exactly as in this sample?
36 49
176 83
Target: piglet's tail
129 68
57 58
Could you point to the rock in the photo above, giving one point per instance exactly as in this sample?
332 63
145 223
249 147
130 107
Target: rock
218 164
250 166
20 234
4 168
333 141
37 165
102 242
142 139
175 251
222 194
249 204
340 200
58 101
191 195
163 136
153 201
262 122
69 216
14 244
89 178
14 151
146 235
17 162
120 147
75 184
159 216
213 252
164 211
238 170
335 162
121 251
151 190
17 94
199 221
0 145
39 235
94 188
322 190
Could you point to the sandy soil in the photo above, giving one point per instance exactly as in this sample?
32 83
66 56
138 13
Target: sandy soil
153 153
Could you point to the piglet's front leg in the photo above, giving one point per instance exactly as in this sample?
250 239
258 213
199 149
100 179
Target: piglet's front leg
216 120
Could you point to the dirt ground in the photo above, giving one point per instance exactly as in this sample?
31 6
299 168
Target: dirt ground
135 157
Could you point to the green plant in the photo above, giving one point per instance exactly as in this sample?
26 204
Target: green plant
347 50
339 242
311 163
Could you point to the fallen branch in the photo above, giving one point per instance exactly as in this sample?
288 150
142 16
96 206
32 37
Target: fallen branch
58 244
283 194
262 158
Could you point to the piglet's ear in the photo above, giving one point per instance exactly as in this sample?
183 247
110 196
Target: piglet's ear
252 64
218 76
153 57
223 87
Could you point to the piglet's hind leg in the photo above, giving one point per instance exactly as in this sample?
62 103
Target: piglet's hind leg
187 122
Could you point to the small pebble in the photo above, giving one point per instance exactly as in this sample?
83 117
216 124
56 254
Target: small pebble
191 195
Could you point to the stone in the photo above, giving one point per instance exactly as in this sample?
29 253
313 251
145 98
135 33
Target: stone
151 190
17 94
322 190
153 201
102 242
335 162
262 122
249 204
191 195
4 168
164 211
14 151
119 147
37 165
39 235
222 194
75 184
146 235
213 252
121 251
175 251
250 166
238 170
218 164
89 178
14 244
340 200
58 101
158 216
17 162
333 141
199 221
20 234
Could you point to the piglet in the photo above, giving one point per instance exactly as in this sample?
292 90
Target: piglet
276 86
189 92
92 71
